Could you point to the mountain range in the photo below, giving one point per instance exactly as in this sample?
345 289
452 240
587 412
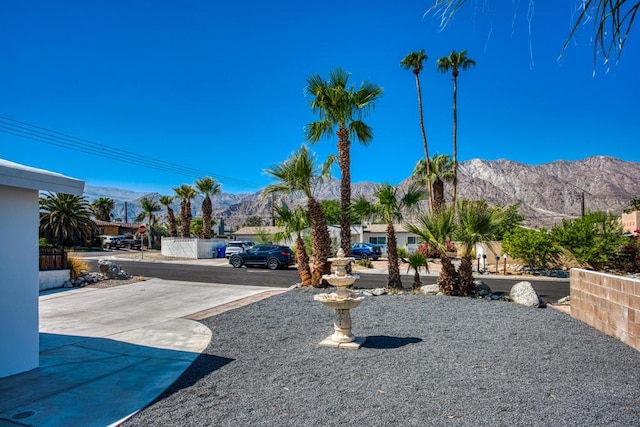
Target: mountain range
547 193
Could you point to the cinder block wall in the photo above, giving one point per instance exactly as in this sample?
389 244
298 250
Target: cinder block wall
609 303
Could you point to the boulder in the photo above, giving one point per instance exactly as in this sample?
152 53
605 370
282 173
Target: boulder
523 293
429 289
111 270
480 289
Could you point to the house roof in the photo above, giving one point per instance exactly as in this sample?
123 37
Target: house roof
259 230
21 176
382 228
131 225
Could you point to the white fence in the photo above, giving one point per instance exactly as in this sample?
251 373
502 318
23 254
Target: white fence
192 248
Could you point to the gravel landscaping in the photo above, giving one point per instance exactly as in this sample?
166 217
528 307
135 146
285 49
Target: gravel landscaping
427 361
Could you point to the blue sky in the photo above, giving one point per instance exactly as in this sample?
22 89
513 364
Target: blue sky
217 88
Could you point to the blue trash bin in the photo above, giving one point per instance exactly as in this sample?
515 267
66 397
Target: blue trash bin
221 251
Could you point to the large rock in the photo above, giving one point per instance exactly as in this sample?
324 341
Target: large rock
430 289
523 293
111 270
480 290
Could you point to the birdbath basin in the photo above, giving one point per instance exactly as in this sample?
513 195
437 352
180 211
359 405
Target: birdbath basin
342 301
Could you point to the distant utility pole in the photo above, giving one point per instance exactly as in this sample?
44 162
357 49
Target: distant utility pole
582 205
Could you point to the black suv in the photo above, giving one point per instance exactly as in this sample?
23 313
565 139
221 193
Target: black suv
272 256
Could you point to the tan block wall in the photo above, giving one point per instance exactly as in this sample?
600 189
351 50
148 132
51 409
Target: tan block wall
609 303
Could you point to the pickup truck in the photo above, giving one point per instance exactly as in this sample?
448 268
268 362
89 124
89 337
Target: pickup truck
130 242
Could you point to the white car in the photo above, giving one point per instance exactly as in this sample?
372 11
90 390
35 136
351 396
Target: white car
237 246
111 242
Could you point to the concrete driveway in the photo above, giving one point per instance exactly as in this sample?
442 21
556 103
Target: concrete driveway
107 353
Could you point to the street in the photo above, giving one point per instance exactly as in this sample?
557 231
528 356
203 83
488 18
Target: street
549 290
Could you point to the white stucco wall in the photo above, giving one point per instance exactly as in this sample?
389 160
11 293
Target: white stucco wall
52 279
19 334
19 282
189 247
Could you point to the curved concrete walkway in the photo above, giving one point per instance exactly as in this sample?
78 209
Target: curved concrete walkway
107 353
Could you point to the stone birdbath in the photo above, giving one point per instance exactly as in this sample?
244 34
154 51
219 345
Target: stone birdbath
342 301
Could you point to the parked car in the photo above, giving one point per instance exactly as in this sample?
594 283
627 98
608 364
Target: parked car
111 242
236 247
365 251
130 242
271 256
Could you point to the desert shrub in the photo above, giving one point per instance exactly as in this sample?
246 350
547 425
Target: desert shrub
593 240
535 248
428 251
365 263
402 252
76 266
43 243
628 257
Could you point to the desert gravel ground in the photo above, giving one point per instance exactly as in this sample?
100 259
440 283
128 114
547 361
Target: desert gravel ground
426 361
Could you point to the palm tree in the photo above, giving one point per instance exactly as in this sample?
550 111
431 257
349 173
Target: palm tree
185 192
295 222
389 207
436 229
454 63
65 219
208 187
417 261
341 106
298 174
414 62
477 223
149 207
441 171
166 201
102 208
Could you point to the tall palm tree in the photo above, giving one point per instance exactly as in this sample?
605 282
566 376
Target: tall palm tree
149 207
454 63
389 206
65 219
166 201
102 208
441 171
414 62
436 229
295 222
297 174
341 105
477 223
185 192
208 187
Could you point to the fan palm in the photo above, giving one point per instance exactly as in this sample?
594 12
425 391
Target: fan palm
295 222
185 192
149 207
65 219
208 187
436 229
297 174
454 63
166 201
389 206
341 106
441 171
414 62
417 261
477 223
102 208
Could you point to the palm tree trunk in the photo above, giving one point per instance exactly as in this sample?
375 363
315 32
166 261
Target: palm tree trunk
321 243
303 262
206 217
424 140
455 139
438 194
344 148
416 280
465 272
173 229
185 224
448 279
392 254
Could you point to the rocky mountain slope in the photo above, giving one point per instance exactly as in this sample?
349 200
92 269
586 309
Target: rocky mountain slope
547 193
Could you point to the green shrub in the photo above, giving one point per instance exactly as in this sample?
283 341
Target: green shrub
365 263
402 252
535 248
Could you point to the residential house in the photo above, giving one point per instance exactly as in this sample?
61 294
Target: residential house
631 222
116 228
